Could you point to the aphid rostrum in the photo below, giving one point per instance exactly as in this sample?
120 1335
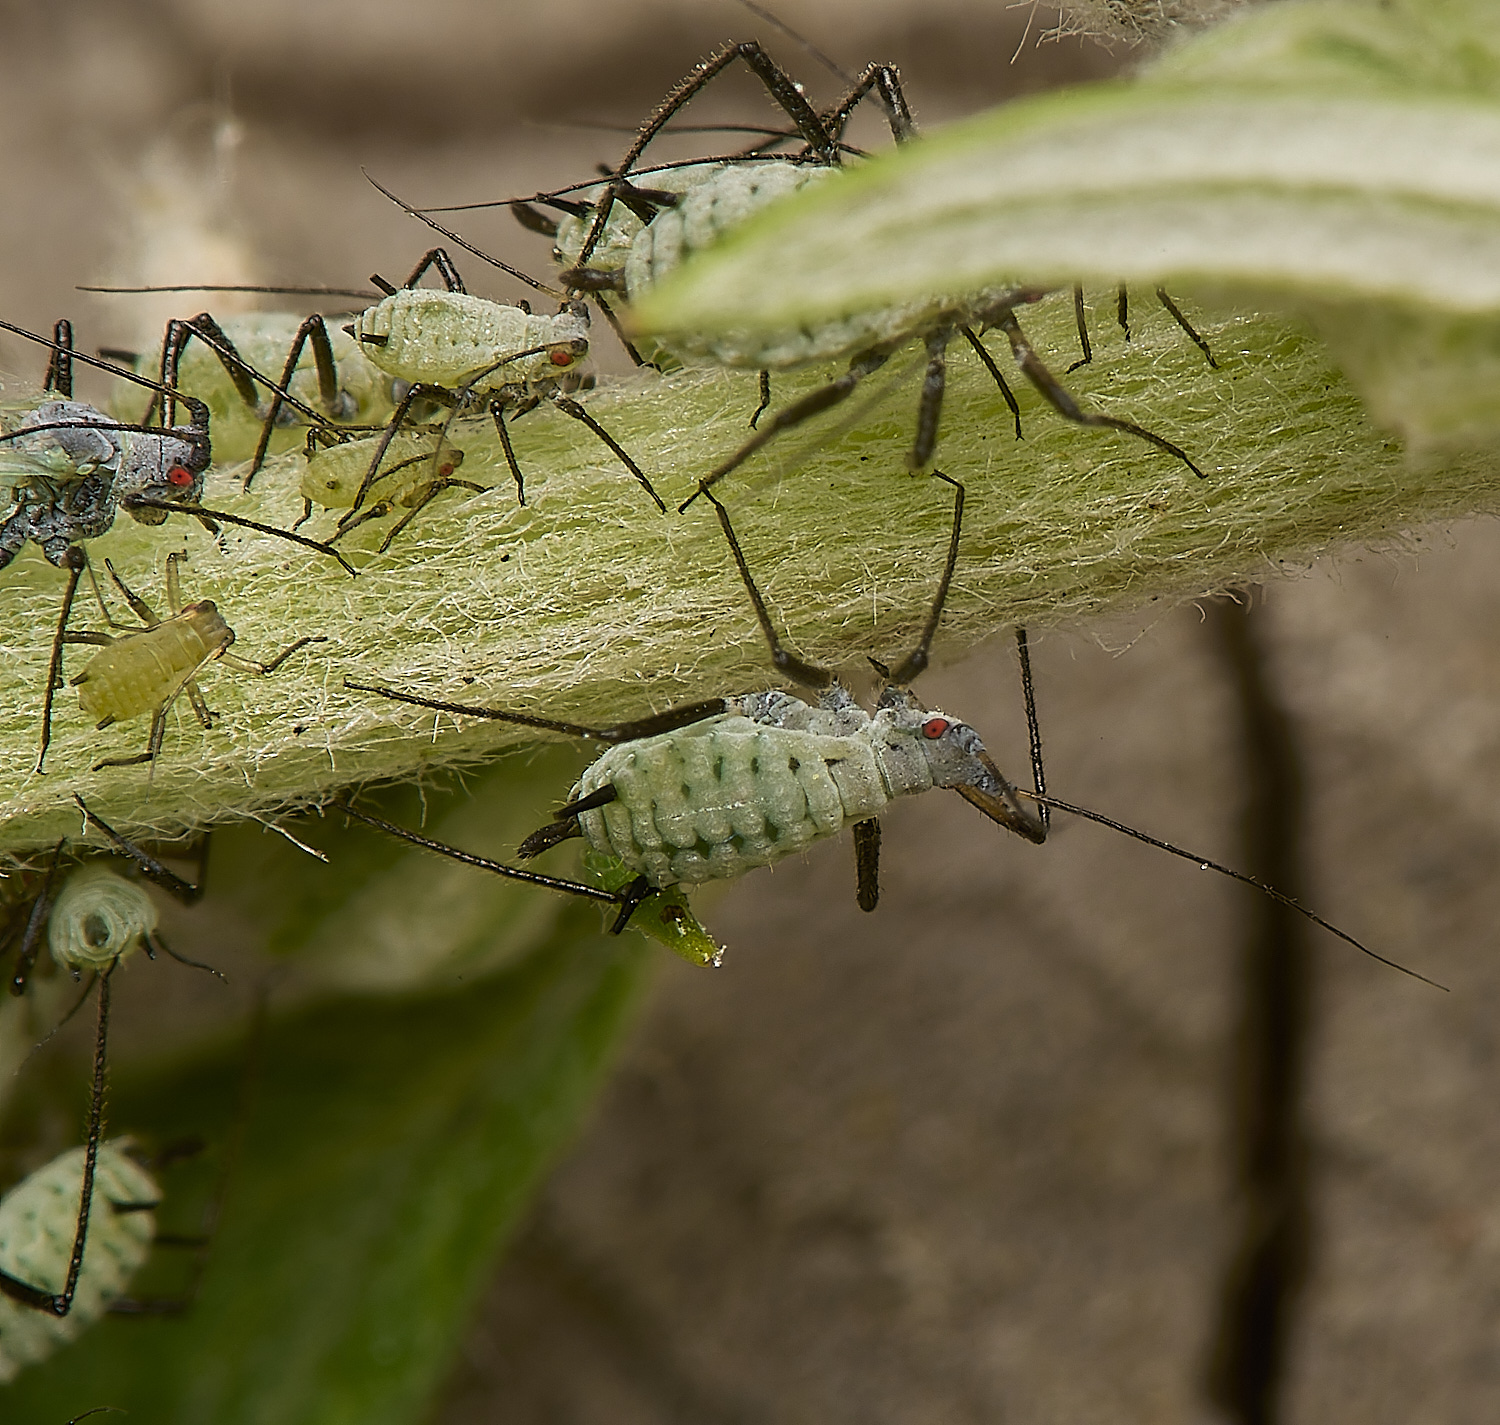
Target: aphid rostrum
147 668
67 469
713 789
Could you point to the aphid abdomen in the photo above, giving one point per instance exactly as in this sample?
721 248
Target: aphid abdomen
139 672
716 799
37 1221
449 338
99 917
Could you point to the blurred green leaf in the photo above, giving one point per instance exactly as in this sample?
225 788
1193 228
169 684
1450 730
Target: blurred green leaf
390 1147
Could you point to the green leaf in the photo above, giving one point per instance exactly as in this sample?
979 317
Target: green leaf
391 1146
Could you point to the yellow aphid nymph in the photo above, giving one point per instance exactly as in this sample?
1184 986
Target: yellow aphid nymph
146 669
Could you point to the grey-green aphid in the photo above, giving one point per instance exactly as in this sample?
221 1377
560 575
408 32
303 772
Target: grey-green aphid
38 1227
715 789
604 247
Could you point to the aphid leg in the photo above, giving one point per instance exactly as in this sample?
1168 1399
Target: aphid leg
212 335
60 1303
437 258
75 559
930 405
1193 334
569 407
251 665
36 921
614 325
779 85
564 826
916 660
867 862
668 721
765 399
138 606
201 710
885 81
207 516
313 330
420 391
812 404
631 897
429 493
498 407
186 892
810 675
1122 309
1002 315
153 743
998 375
1033 726
59 378
1081 320
627 899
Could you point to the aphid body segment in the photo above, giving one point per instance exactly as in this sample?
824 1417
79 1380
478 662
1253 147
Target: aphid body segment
146 669
99 918
455 339
334 473
38 1222
772 775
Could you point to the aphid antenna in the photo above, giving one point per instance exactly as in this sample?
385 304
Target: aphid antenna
464 243
245 287
202 512
806 44
98 1410
1207 864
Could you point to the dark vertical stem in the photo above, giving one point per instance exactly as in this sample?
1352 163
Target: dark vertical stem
1268 1263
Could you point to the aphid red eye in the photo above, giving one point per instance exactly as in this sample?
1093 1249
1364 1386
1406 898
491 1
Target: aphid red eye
935 727
561 358
179 475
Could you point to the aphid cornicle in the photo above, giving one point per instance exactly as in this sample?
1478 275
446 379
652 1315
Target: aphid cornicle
40 1238
714 789
68 469
147 669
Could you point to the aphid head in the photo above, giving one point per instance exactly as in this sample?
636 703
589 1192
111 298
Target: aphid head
955 757
99 917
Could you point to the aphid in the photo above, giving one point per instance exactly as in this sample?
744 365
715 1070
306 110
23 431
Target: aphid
72 1234
716 788
629 252
417 468
68 469
324 369
147 668
465 353
61 1268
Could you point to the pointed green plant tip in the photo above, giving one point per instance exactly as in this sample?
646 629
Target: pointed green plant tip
666 916
1340 158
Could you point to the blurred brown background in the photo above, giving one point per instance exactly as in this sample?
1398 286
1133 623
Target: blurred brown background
967 1159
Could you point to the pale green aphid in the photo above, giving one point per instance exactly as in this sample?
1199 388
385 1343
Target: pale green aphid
98 918
415 469
263 339
38 1225
146 669
454 339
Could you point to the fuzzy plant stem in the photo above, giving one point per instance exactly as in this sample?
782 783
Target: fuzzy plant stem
589 605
